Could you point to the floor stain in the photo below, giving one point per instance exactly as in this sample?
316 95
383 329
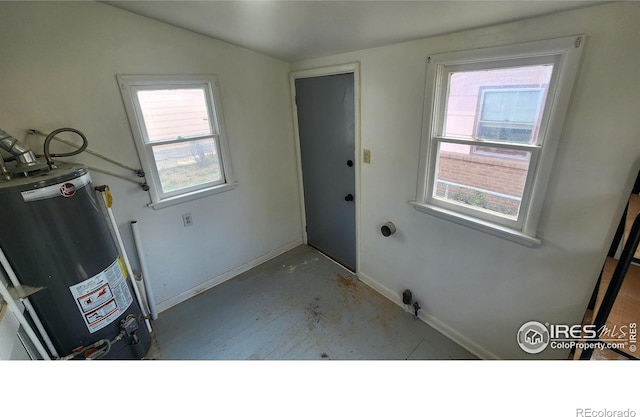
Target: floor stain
314 314
352 293
346 282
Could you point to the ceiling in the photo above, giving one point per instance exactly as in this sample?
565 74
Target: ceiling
297 30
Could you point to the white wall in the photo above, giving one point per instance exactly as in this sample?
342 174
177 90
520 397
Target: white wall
478 288
57 69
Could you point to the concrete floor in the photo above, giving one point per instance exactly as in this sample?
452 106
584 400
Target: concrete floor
299 305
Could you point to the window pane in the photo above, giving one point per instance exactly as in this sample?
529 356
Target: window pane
175 113
510 105
186 164
492 184
505 132
501 104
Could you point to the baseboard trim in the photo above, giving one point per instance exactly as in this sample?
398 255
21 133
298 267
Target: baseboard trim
171 302
432 321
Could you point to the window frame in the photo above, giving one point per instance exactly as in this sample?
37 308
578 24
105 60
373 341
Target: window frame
130 85
564 54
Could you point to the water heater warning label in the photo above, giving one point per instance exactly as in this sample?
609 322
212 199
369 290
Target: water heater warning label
102 298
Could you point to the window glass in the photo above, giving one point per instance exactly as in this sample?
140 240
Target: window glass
175 120
486 183
174 113
509 114
502 104
187 164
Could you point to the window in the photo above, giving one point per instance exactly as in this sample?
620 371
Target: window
509 114
179 132
493 119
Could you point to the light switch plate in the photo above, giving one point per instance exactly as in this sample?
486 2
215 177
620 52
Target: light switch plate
367 156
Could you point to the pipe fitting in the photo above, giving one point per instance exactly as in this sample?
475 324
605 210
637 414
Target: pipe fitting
10 144
388 229
25 158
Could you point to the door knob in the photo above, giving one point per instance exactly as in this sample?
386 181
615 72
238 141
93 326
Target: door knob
348 197
349 163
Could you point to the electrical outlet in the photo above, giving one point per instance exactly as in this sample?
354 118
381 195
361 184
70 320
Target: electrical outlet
187 219
366 158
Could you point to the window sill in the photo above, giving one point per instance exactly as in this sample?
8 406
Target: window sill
194 195
477 224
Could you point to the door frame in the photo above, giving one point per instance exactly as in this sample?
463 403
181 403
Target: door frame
350 68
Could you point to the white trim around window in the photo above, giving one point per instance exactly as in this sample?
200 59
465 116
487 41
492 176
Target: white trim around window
179 133
561 58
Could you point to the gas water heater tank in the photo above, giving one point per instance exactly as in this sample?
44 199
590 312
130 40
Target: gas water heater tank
54 233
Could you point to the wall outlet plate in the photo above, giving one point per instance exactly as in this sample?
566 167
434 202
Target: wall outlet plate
187 219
